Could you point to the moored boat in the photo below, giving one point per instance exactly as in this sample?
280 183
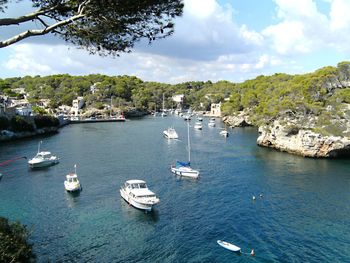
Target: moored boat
184 168
211 122
224 133
137 194
170 133
198 126
43 159
72 184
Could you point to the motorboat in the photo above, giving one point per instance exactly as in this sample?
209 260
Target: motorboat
184 168
137 194
170 133
187 117
72 183
224 133
199 119
198 126
43 159
211 122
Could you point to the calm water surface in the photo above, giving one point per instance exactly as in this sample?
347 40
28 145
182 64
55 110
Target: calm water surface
303 216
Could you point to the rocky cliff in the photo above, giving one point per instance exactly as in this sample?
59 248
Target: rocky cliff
286 135
302 142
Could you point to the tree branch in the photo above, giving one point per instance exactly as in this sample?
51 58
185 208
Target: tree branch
25 18
36 32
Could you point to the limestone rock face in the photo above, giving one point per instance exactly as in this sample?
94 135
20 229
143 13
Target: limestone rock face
301 141
239 120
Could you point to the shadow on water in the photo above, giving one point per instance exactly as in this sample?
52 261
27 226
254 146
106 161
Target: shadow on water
131 213
72 198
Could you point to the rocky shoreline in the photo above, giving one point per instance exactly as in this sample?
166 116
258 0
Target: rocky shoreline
284 136
6 135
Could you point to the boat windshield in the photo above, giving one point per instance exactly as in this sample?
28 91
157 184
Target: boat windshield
72 180
146 196
138 186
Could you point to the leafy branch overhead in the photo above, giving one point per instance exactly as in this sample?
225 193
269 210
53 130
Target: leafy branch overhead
101 26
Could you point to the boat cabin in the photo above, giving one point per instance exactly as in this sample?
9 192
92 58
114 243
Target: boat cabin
72 178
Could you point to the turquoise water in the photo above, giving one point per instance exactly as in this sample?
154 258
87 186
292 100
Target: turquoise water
303 216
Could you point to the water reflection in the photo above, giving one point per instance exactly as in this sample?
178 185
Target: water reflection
131 213
72 198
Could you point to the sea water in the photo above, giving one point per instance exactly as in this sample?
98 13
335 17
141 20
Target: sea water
301 212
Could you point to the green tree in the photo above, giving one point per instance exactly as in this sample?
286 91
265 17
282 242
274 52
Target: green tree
104 27
14 246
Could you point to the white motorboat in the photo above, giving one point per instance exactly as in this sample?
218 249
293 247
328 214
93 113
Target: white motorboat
198 126
187 117
43 159
170 133
199 119
224 133
184 168
211 122
137 194
72 183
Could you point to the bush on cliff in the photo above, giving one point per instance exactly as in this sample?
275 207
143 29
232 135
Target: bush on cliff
14 246
19 124
42 121
4 123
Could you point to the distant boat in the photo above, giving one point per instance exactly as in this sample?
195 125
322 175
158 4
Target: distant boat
170 133
72 184
184 168
42 159
187 117
0 176
199 119
198 126
137 194
224 133
211 122
229 246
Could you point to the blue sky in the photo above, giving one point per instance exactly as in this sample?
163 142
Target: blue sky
214 40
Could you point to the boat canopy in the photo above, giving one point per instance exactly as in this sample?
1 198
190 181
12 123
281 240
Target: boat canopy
182 164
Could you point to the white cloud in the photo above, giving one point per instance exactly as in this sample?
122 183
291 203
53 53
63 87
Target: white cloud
339 15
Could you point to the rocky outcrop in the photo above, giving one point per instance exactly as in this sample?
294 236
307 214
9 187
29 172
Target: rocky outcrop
9 135
290 138
239 120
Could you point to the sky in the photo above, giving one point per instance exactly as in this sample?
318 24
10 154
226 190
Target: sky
214 40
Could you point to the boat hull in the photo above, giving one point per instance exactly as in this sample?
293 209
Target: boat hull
185 171
72 187
229 246
134 203
42 164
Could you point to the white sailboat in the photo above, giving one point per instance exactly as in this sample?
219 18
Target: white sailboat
184 168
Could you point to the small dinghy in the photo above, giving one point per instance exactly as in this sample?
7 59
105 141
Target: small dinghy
229 246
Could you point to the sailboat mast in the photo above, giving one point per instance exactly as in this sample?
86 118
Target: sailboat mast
39 146
188 142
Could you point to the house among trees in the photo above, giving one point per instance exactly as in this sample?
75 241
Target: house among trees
77 104
24 110
215 109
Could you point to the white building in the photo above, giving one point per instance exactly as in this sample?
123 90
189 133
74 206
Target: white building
215 109
24 110
78 103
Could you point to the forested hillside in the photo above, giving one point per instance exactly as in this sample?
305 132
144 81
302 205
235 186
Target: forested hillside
319 100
